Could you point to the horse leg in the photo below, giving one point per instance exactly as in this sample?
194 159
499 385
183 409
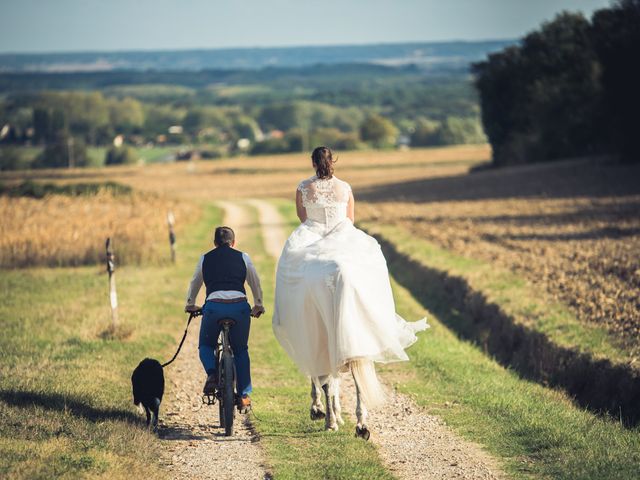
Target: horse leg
330 419
361 414
317 409
337 408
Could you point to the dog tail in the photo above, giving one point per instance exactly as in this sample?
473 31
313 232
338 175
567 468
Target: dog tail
364 374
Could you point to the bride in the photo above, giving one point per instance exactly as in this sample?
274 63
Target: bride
334 309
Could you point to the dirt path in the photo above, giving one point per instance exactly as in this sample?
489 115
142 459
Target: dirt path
193 444
411 443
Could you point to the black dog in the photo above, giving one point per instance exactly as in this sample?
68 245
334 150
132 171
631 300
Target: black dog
148 388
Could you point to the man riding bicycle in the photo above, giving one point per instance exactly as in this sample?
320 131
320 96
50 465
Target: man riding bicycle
224 271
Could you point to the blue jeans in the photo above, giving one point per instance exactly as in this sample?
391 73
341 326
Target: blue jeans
238 338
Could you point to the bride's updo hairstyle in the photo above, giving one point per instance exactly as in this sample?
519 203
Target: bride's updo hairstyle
322 159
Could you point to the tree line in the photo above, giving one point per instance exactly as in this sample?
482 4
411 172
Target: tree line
226 119
570 88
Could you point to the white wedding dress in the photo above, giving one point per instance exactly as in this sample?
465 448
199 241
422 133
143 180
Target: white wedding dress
333 300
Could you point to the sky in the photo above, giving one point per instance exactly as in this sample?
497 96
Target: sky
104 25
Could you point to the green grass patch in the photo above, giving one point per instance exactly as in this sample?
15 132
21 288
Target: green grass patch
156 154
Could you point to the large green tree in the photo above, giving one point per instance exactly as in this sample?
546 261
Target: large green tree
616 36
540 100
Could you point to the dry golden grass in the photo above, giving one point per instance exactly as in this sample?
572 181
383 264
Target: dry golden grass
61 230
272 175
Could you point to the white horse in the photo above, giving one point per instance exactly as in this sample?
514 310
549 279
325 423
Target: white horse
368 392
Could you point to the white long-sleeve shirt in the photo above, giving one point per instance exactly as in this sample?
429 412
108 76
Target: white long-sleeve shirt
252 279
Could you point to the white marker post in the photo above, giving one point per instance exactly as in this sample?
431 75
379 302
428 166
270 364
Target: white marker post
172 235
113 296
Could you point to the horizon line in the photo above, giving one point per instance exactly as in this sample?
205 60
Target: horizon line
270 47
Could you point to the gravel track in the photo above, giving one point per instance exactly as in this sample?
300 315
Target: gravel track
193 444
411 443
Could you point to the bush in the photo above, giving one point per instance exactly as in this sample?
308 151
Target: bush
66 151
425 133
213 153
40 190
335 139
12 159
121 156
456 131
378 131
293 141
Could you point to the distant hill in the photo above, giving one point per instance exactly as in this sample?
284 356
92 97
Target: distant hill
430 57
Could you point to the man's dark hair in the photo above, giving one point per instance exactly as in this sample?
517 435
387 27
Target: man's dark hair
224 236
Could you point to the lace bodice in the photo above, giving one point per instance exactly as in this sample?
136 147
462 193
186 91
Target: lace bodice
325 200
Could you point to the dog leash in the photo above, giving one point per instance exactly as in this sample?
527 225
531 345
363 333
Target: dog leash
192 315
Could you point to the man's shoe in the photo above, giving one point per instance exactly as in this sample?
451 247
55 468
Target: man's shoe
210 385
244 404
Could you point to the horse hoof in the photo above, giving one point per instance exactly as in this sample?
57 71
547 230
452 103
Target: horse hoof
333 428
363 432
317 414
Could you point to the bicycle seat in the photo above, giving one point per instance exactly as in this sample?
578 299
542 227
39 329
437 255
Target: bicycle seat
227 322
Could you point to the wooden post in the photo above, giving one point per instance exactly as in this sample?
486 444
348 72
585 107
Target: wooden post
172 235
113 296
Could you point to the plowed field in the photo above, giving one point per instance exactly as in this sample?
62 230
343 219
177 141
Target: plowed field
571 228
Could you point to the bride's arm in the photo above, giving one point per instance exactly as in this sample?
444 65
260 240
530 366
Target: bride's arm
351 207
302 212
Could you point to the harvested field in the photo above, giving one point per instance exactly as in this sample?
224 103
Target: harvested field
62 230
272 175
571 228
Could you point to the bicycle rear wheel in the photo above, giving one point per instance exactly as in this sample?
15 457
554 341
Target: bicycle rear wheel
221 412
228 397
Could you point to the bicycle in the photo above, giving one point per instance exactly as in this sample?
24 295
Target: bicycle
225 391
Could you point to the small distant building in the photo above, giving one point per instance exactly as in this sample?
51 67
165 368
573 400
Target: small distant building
275 134
176 129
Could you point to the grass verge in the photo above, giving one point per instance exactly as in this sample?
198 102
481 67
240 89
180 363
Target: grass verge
65 395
